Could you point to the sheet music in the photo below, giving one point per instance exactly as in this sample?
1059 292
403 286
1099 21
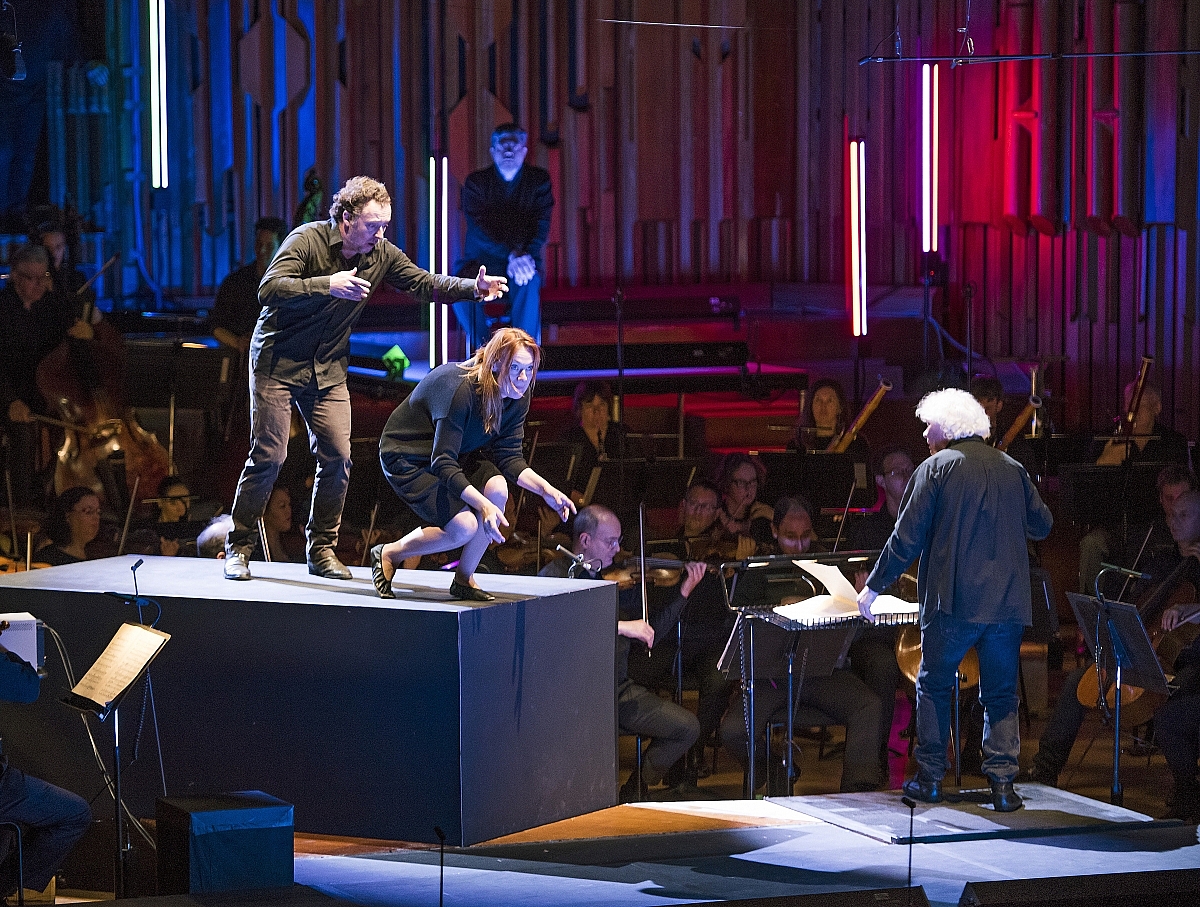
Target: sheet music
842 601
119 665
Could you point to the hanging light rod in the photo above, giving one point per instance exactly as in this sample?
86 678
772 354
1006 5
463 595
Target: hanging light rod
668 24
1016 58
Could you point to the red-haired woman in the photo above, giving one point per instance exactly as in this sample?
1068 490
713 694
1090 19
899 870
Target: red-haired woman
456 410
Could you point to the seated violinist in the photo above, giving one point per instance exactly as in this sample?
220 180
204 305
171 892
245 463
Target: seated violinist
596 538
74 522
33 322
1168 573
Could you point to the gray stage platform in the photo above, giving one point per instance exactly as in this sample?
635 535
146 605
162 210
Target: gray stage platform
1048 812
375 719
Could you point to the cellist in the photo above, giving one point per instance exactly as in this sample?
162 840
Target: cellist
1167 572
33 322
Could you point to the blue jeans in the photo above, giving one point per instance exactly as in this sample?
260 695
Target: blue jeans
326 412
52 820
944 642
524 305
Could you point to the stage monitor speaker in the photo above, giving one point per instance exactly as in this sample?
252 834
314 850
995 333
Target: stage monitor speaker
889 897
227 842
1172 886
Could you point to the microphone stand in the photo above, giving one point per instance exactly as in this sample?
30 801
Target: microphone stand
1117 794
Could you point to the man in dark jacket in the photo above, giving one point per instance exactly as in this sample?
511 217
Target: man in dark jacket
507 207
968 511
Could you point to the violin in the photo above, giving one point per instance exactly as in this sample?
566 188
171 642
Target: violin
661 572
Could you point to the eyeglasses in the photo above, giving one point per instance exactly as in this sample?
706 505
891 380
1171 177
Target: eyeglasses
31 277
612 542
700 505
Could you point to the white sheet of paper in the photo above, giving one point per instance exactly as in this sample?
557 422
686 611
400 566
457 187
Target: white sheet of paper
842 600
120 663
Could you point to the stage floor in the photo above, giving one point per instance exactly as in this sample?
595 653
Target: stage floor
657 854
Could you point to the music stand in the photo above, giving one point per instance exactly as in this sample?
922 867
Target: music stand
758 586
100 691
1120 646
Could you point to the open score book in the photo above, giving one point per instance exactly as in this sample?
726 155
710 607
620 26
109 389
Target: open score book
841 601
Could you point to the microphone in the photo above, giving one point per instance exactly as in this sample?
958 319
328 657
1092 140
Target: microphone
578 560
134 570
912 805
441 835
1125 571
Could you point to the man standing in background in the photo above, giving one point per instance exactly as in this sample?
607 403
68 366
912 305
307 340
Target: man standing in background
507 207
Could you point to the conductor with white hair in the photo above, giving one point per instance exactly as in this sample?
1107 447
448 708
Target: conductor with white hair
967 512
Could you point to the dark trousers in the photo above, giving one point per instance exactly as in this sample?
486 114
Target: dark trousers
1058 737
873 660
326 412
944 642
842 696
524 306
672 729
52 820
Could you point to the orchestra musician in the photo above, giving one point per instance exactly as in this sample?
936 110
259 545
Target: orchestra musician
672 729
312 295
33 322
742 514
236 308
1149 441
597 437
1182 513
990 393
967 511
826 420
457 410
843 695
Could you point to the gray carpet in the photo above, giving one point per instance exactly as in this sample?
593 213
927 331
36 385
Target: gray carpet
1047 812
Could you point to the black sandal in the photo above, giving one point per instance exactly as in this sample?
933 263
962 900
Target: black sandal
383 585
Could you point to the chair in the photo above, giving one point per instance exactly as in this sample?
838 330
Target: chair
4 848
806 716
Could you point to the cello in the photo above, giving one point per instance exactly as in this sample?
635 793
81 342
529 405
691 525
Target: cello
82 380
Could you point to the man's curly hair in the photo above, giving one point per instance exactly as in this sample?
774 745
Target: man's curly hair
355 194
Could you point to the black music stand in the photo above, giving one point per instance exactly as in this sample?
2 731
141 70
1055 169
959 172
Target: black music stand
758 586
100 691
1119 644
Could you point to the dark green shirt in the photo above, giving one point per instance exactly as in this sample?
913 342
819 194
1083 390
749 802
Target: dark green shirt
303 331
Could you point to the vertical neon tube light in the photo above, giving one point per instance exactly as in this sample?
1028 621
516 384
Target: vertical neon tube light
862 240
929 157
432 257
925 154
445 350
157 33
933 168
